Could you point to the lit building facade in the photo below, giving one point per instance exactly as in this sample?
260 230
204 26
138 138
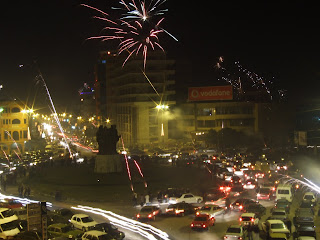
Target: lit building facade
137 100
14 124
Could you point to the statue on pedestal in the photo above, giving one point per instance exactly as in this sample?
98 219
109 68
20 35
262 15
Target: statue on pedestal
107 139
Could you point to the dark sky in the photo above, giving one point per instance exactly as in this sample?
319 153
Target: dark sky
270 38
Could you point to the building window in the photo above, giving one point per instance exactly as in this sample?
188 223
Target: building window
15 121
7 122
15 135
3 121
5 135
25 134
15 110
25 121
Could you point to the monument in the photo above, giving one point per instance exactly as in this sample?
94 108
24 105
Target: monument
108 160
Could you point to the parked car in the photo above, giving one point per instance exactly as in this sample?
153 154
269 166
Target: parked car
279 213
282 203
202 222
63 230
304 216
82 221
241 203
249 219
274 226
235 179
180 209
307 204
21 213
211 210
278 236
110 229
188 198
94 234
309 196
148 212
305 231
235 232
256 208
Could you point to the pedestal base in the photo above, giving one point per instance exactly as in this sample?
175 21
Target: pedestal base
108 163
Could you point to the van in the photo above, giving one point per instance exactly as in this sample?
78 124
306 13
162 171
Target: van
284 191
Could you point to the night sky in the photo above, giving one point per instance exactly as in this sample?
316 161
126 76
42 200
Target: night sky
270 38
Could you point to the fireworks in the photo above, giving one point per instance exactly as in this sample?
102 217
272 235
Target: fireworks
138 27
243 80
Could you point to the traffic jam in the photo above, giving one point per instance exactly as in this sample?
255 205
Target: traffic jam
253 201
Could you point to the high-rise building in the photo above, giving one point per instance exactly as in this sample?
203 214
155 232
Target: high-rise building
136 100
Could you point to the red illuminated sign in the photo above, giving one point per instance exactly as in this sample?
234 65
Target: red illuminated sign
210 93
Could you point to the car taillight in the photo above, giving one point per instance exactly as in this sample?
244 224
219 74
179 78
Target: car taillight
240 207
252 219
221 188
240 238
150 216
225 237
197 213
258 194
240 219
204 226
138 215
154 213
239 180
228 188
231 180
191 225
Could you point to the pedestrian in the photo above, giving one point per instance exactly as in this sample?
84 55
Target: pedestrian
227 204
288 224
250 232
28 191
134 198
147 199
141 200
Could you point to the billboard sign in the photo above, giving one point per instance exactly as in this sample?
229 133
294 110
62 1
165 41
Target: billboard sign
210 93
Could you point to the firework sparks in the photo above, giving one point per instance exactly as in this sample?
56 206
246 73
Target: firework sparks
137 29
241 78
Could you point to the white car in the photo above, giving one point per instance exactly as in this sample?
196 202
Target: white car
235 232
249 219
82 221
275 226
309 196
249 184
94 234
187 198
211 210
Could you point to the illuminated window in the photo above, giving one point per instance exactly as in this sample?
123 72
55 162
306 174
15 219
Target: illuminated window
15 110
15 121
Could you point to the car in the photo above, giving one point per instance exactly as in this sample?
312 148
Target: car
225 187
96 235
110 229
10 203
21 213
249 219
309 196
259 174
215 196
180 209
63 230
211 210
264 194
274 226
227 176
82 221
305 231
249 184
189 198
241 203
8 214
307 204
235 179
202 222
28 235
235 232
282 203
148 212
304 216
256 208
279 213
278 236
306 238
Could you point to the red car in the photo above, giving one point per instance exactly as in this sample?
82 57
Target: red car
10 203
202 222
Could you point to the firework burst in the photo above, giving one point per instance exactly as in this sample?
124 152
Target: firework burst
138 27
